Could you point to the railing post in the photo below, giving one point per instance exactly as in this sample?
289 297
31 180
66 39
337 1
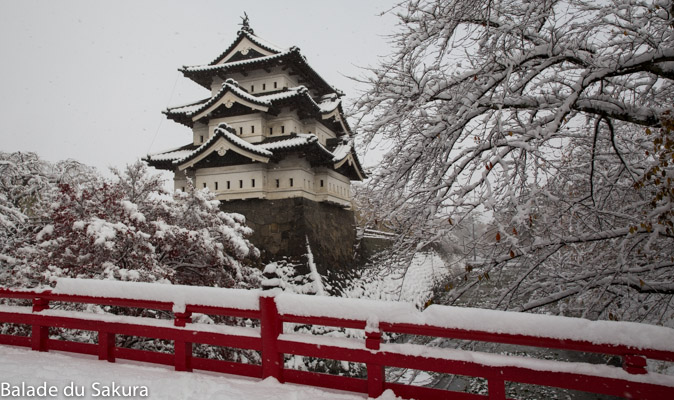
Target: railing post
183 355
182 318
182 349
40 304
496 389
106 346
39 334
634 364
271 326
375 371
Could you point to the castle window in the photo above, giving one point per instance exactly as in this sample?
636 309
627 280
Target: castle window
240 184
216 185
201 138
291 182
252 183
183 188
275 85
271 131
321 182
205 185
228 186
278 183
283 129
241 130
264 86
252 88
252 129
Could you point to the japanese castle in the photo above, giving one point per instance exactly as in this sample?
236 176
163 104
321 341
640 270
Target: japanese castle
271 136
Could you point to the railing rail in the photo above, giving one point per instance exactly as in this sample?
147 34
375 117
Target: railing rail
275 310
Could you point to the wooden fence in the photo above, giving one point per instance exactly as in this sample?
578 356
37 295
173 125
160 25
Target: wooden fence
372 319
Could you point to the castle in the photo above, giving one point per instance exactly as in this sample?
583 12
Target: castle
271 141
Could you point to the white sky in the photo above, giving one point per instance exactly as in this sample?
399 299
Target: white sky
88 80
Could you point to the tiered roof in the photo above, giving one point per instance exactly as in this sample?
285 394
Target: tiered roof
231 149
249 52
292 58
221 105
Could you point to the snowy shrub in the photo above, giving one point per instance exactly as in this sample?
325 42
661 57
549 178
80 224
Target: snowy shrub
57 223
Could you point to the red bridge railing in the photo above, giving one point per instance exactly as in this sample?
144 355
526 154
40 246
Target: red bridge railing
634 343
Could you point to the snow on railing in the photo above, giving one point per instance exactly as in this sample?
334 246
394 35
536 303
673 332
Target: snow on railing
634 343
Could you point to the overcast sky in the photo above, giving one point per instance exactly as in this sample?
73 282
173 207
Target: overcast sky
88 80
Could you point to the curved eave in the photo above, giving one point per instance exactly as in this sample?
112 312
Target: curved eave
292 58
227 100
351 163
226 97
338 116
241 35
222 141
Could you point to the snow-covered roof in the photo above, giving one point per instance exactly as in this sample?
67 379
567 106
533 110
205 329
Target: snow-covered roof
299 140
265 150
228 133
238 63
203 74
342 150
197 107
333 105
329 103
247 34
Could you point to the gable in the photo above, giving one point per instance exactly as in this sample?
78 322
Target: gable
244 49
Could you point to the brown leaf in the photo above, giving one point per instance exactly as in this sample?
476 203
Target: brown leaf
512 254
498 236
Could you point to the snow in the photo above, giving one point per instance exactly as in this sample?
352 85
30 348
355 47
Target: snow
48 230
240 142
178 294
503 322
33 368
315 276
341 151
233 64
499 360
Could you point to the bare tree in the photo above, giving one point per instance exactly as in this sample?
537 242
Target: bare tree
548 118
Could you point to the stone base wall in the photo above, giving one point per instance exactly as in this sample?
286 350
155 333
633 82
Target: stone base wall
281 228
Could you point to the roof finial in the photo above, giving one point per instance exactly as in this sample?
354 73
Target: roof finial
245 24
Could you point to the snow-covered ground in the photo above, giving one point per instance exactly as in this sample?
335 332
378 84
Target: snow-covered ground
413 285
67 372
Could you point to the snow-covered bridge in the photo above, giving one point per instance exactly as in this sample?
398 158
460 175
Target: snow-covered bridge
266 326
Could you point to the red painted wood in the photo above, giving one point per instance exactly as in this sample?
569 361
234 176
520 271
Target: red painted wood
273 349
40 304
230 312
375 371
496 389
106 346
325 380
634 364
325 321
523 340
182 319
39 336
73 347
271 327
183 355
420 392
11 340
227 367
144 356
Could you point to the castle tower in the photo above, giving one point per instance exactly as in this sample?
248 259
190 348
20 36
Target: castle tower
272 143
